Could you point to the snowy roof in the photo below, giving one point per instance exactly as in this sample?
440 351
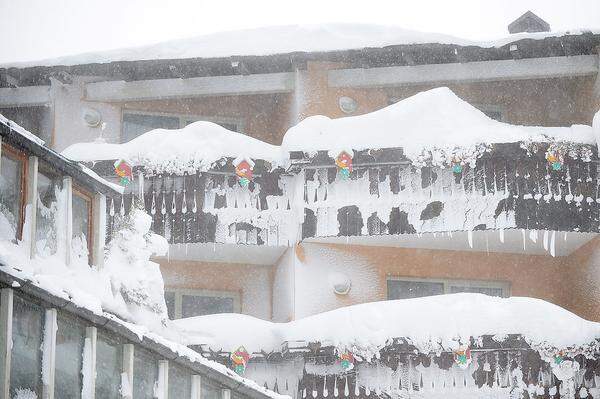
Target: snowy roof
427 322
284 39
195 147
434 118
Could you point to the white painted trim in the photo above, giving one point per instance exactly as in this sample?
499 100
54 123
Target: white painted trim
193 87
31 204
99 229
179 292
91 336
6 315
480 71
26 96
196 387
68 190
49 353
163 380
448 283
128 353
225 393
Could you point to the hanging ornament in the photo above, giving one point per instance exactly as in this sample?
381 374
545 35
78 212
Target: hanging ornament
124 171
559 357
462 357
244 171
240 358
457 166
347 361
344 164
555 158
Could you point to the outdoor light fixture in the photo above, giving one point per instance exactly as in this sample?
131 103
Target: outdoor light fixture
348 105
340 282
91 117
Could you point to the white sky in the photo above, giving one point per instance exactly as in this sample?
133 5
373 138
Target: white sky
38 29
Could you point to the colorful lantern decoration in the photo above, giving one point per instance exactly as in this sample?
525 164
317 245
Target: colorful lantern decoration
124 171
244 171
347 361
559 357
457 165
344 164
555 159
240 358
462 357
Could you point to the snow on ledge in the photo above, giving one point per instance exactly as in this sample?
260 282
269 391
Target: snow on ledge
430 323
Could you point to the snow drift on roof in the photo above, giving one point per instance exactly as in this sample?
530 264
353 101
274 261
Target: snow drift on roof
425 321
281 40
195 147
435 118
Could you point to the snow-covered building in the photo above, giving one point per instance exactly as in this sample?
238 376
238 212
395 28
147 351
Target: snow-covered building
78 320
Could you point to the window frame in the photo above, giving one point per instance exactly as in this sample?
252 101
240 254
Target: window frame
448 283
21 156
239 122
492 108
87 196
180 292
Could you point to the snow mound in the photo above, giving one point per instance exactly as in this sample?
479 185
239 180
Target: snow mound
195 147
283 39
435 118
429 323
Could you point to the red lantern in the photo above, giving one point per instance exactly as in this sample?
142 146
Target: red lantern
124 171
244 171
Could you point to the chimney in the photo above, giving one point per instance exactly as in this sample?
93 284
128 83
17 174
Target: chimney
528 22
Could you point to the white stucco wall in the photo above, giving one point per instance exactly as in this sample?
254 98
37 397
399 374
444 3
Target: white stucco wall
283 287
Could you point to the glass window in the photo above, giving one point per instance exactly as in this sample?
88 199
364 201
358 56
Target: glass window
170 301
82 206
145 374
11 193
210 392
108 368
48 192
70 339
137 124
400 289
491 291
180 382
195 305
25 367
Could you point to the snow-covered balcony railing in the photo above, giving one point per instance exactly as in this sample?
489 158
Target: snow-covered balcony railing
441 346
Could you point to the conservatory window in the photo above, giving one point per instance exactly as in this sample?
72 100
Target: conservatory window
12 167
190 302
136 123
108 368
180 382
47 215
70 338
25 366
407 287
82 224
210 392
145 374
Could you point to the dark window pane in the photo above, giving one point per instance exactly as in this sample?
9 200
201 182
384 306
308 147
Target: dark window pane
227 125
477 290
180 382
210 392
10 195
497 115
192 305
48 190
170 301
108 368
70 339
81 225
145 373
398 289
137 124
25 367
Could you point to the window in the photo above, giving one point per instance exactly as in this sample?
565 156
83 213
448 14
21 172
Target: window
48 194
82 225
210 392
26 363
190 303
108 368
70 338
145 374
180 382
137 123
493 111
12 197
407 287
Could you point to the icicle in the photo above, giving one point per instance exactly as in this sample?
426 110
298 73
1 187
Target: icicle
122 210
141 190
487 243
195 207
304 392
346 388
470 238
335 388
163 207
533 235
356 388
325 391
501 233
545 240
111 211
553 244
565 238
524 239
183 204
173 206
153 204
314 392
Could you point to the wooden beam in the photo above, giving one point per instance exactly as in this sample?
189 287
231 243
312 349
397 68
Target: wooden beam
481 71
194 87
31 205
6 313
163 379
99 226
196 387
89 364
49 354
24 96
128 351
